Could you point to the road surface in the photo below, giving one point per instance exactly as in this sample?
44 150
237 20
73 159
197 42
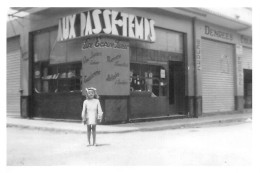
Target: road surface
204 146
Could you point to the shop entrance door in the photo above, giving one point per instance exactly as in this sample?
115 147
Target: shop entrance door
248 88
176 87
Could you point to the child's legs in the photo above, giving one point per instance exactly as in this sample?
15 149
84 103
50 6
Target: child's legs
89 133
94 134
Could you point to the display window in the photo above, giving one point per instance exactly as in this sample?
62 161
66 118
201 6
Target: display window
57 65
149 63
148 79
57 78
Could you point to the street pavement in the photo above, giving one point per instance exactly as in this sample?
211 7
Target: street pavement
78 127
222 144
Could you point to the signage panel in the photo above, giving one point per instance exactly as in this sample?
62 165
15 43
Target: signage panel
105 66
106 22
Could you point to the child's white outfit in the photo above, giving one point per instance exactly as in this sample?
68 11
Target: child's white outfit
91 111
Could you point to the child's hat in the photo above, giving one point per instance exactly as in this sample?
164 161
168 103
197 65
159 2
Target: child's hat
91 88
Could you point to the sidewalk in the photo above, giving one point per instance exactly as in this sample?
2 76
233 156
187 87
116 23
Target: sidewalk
77 127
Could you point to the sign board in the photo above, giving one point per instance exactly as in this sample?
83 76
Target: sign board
162 73
105 66
216 33
106 22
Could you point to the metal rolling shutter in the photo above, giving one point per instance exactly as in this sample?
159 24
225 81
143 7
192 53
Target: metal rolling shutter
13 76
217 76
247 58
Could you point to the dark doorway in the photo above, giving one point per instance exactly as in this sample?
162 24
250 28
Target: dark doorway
247 88
176 87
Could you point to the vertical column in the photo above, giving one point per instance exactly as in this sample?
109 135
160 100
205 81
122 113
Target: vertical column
197 78
239 79
197 42
26 73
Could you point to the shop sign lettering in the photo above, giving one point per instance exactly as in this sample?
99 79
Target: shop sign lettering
106 22
104 43
217 33
240 71
198 54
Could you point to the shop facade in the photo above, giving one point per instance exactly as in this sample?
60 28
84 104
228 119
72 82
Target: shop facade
137 63
145 63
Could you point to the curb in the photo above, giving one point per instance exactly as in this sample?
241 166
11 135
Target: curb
50 129
146 129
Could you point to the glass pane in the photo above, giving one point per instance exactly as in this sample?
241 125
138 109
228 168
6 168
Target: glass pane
74 52
166 40
58 49
175 42
41 46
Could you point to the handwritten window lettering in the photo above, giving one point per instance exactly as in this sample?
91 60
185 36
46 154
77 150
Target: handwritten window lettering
91 76
112 59
103 42
91 57
112 77
116 60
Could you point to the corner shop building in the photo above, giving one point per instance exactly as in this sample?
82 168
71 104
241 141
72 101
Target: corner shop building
146 63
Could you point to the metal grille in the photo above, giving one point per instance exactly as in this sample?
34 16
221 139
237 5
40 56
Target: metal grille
13 76
217 76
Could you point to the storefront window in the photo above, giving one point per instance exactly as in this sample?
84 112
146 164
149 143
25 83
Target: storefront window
57 78
57 65
150 79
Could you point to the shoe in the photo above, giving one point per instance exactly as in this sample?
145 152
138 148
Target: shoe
88 145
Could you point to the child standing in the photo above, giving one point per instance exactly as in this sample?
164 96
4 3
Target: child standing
91 112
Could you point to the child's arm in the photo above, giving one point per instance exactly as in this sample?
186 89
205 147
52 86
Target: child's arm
99 111
83 113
